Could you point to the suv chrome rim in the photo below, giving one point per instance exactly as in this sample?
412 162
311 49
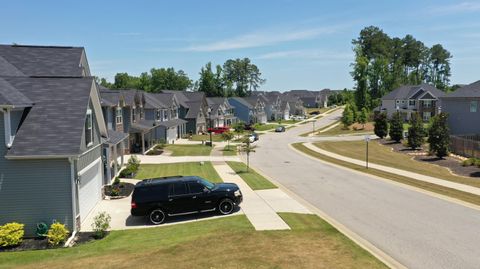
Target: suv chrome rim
226 207
157 216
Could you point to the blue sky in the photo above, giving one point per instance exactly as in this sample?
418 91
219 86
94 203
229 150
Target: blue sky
296 44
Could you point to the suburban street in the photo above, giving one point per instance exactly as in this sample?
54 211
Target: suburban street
417 230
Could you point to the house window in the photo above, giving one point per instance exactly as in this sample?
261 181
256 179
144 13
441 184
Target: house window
158 114
134 114
427 103
165 115
473 106
89 128
427 116
411 102
142 113
118 115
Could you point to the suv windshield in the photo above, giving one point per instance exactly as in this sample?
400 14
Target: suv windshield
207 184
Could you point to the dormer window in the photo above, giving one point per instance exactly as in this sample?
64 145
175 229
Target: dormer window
165 114
134 112
158 115
142 113
89 128
118 115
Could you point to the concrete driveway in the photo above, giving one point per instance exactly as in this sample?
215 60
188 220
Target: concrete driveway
418 230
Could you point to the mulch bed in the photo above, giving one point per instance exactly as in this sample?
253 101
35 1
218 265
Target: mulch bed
452 163
42 243
125 189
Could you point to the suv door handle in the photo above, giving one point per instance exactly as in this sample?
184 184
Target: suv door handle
194 197
170 199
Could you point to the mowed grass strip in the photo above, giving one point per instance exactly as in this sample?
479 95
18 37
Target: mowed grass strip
230 150
460 195
179 169
252 178
189 150
340 130
206 137
229 242
383 155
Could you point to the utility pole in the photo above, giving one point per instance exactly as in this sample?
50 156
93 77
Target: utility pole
367 140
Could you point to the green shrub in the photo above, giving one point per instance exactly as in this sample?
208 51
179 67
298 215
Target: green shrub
126 173
116 181
11 234
57 234
114 192
467 162
100 225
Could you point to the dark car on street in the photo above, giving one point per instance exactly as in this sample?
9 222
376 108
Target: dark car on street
280 129
160 198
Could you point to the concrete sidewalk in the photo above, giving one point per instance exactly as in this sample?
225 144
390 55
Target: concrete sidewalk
420 177
257 210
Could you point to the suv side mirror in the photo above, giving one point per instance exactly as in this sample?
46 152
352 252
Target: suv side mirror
206 189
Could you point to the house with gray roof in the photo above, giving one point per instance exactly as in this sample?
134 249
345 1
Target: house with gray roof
51 163
220 113
249 109
275 108
193 108
295 104
463 109
408 99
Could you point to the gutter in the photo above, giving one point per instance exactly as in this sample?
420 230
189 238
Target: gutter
40 157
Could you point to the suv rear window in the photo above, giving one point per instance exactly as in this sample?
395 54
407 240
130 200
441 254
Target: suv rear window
178 188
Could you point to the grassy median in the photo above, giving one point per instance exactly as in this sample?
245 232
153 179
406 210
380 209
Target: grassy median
189 150
230 150
179 169
252 178
460 195
218 243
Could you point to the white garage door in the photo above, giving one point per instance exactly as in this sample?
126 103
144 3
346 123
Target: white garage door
90 189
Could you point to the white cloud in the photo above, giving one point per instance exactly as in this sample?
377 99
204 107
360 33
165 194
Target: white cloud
308 54
263 38
463 7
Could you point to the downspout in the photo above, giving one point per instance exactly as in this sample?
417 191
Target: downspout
73 182
7 127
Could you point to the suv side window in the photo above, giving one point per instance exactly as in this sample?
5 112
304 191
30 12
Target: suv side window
195 187
178 188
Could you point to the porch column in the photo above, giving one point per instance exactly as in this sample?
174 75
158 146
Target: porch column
143 143
115 157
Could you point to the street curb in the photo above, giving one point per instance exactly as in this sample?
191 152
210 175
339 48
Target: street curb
405 186
376 252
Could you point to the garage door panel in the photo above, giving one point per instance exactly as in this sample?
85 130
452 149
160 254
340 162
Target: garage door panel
90 189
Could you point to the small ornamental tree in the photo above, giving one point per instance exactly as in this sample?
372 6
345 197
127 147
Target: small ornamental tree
363 117
248 148
416 132
100 225
347 116
396 127
381 125
227 136
439 135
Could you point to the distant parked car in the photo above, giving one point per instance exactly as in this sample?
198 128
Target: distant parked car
249 127
160 198
218 130
253 137
314 112
280 129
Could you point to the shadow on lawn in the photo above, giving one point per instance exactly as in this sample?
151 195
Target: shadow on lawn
143 221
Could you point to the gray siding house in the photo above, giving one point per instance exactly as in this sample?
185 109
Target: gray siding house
193 108
249 109
220 113
407 99
463 108
51 135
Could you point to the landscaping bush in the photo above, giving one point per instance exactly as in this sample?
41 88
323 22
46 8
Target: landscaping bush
468 162
57 234
132 167
114 192
396 127
116 181
100 225
416 132
347 117
439 135
11 234
381 125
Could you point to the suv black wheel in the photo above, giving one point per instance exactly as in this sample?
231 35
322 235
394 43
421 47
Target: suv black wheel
226 206
157 216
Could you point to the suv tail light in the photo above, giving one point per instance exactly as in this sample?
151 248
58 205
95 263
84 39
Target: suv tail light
133 204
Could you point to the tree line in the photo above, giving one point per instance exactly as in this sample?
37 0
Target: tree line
383 63
237 77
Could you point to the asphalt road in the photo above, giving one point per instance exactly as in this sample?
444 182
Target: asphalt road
417 230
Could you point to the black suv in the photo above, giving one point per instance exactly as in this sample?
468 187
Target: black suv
159 198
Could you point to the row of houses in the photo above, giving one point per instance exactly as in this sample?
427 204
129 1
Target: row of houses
63 137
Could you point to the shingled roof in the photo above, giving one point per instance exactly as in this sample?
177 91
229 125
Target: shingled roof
410 92
54 125
42 61
470 90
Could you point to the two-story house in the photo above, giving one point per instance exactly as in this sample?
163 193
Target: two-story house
407 99
51 133
295 104
463 108
249 109
220 113
193 108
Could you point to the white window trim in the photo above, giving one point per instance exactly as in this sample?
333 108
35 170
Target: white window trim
118 117
476 106
90 120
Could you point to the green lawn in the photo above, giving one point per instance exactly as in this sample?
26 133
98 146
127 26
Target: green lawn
178 169
264 127
340 130
252 178
383 155
230 150
189 150
215 138
460 195
229 242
